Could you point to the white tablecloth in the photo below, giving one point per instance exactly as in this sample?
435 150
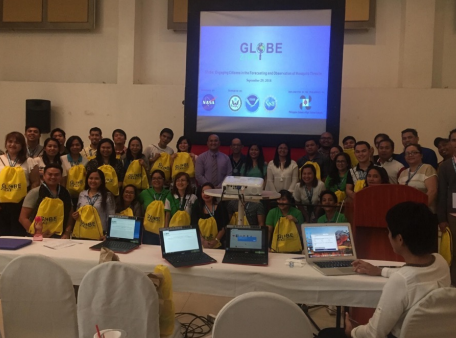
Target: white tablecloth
300 284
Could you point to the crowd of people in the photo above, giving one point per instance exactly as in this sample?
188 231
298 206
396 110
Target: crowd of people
64 189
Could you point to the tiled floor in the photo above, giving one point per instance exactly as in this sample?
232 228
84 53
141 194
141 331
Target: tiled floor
203 305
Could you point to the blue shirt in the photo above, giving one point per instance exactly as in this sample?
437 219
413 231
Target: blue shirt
429 157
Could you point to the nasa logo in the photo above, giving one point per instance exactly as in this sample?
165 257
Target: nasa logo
208 102
235 103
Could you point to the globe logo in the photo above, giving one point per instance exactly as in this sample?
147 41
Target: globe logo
270 103
260 49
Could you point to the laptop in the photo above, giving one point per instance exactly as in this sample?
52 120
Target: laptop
246 245
181 246
124 234
329 248
13 243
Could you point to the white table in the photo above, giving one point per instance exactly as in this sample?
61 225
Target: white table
266 195
300 284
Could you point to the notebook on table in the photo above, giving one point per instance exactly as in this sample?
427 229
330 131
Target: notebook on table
13 243
181 246
246 245
329 248
124 234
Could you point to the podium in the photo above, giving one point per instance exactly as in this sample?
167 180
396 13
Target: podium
367 212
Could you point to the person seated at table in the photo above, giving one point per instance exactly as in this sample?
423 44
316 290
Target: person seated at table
181 200
127 203
307 192
410 225
328 200
254 212
283 224
376 175
211 217
50 201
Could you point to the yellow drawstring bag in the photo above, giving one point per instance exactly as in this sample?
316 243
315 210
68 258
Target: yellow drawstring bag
127 212
76 180
14 185
51 213
112 182
234 219
286 237
180 218
446 246
208 229
166 318
136 175
154 219
163 163
359 185
341 195
317 169
351 152
183 163
88 225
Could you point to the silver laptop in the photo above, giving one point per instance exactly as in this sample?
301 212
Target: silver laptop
329 248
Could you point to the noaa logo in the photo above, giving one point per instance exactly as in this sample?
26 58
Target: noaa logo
305 102
270 103
235 103
252 103
208 102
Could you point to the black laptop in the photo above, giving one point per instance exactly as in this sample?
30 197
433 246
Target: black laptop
246 245
124 234
181 246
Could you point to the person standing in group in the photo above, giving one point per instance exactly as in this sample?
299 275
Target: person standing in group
254 165
50 155
237 158
363 153
33 135
112 167
307 192
17 173
184 145
212 165
74 165
181 200
376 175
127 203
386 160
339 176
282 172
410 136
119 137
133 169
152 152
326 142
90 152
444 148
60 135
319 160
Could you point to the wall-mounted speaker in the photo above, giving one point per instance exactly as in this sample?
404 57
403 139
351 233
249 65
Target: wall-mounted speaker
38 113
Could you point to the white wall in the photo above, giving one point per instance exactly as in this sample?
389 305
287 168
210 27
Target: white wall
130 72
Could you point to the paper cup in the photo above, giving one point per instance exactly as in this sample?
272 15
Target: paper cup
111 333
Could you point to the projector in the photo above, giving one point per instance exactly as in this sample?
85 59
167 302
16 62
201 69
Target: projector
248 186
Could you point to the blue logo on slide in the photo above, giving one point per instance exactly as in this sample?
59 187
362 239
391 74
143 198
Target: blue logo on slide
208 102
235 103
270 103
252 103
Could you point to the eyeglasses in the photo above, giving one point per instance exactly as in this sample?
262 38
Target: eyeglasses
181 181
129 192
157 178
411 153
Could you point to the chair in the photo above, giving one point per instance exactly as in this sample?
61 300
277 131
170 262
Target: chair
37 299
432 316
261 314
114 295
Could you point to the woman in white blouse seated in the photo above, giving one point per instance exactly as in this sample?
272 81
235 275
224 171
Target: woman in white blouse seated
307 192
282 173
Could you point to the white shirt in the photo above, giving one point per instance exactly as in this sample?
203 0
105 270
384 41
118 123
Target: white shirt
282 178
393 168
300 194
66 165
153 149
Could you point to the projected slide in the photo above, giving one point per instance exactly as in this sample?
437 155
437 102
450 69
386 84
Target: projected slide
264 73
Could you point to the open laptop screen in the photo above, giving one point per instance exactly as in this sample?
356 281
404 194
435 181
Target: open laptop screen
124 227
328 241
177 240
245 239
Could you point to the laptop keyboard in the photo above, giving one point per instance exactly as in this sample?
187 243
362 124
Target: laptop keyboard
334 264
119 245
190 259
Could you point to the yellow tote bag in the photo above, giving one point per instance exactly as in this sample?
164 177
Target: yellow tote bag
286 237
154 219
136 175
76 180
183 163
127 212
88 225
317 169
163 163
208 229
14 185
351 152
180 218
112 183
340 195
359 185
166 317
446 246
234 219
51 213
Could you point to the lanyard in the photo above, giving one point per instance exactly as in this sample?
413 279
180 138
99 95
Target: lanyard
11 163
411 176
93 200
30 154
73 163
208 211
183 202
52 195
309 194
